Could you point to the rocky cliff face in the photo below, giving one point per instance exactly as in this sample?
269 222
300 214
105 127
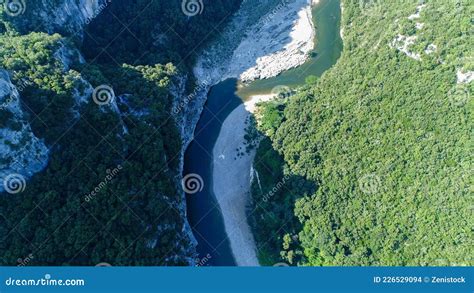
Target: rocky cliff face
64 16
69 14
21 153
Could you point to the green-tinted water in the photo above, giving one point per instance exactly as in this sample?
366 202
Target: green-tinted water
328 48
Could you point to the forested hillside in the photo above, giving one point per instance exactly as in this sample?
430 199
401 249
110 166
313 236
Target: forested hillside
155 31
110 191
373 161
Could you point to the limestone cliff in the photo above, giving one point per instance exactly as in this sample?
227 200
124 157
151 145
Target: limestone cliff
21 153
64 16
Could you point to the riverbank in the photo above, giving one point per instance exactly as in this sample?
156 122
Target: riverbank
263 54
328 46
232 167
255 47
281 39
327 17
271 47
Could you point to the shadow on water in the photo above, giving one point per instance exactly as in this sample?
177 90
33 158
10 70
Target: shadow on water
203 211
204 214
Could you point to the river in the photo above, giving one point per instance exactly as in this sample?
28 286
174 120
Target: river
204 214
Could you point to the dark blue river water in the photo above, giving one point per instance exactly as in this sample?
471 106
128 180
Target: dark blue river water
203 211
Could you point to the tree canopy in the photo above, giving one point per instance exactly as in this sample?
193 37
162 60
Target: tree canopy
385 138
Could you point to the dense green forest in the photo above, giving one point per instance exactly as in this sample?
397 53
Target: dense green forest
52 219
152 32
372 163
130 160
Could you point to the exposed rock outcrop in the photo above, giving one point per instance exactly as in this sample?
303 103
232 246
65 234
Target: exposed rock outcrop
21 152
464 77
63 16
263 39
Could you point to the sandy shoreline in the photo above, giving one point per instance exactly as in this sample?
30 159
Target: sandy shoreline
232 181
